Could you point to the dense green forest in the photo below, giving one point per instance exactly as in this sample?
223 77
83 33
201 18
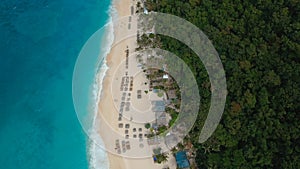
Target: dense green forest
258 43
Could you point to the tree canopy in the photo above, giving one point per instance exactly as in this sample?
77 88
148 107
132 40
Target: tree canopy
258 43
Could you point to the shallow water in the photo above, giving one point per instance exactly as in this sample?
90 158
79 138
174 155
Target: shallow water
40 41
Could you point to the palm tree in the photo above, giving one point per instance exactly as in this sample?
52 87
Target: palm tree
162 158
174 150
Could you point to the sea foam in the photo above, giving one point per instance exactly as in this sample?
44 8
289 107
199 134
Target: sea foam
97 155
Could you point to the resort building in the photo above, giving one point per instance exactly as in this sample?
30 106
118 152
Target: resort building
171 94
158 106
161 118
165 76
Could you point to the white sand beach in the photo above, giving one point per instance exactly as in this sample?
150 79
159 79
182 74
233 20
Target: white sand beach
108 119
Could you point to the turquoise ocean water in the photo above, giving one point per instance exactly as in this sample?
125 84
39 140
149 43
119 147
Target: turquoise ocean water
40 41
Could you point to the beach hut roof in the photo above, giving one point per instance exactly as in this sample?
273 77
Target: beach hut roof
145 11
165 76
158 106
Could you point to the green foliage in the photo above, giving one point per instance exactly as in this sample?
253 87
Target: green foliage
160 156
159 87
147 125
160 94
173 115
151 35
258 43
161 129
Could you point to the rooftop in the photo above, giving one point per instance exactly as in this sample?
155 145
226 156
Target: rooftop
158 106
161 119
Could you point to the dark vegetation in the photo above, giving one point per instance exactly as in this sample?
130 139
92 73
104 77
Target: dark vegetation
173 113
258 43
160 156
147 125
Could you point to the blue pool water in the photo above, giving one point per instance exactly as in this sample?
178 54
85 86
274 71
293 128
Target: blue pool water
40 41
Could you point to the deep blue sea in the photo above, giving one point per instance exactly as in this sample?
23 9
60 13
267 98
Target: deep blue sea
39 43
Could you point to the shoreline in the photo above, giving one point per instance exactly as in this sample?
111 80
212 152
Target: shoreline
116 11
98 157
